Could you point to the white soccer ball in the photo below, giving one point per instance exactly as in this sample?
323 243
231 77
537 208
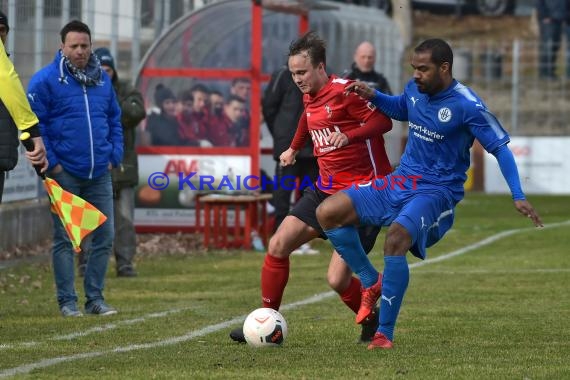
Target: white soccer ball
265 327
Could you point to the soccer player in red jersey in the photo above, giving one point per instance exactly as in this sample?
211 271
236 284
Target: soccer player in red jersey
347 136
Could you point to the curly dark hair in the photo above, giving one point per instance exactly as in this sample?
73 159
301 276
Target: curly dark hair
440 51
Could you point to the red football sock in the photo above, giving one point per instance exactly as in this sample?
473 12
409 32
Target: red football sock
351 295
274 276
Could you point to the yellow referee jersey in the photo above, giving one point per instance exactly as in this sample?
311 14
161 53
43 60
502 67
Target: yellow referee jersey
12 93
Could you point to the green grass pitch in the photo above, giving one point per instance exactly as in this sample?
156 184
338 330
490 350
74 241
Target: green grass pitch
498 309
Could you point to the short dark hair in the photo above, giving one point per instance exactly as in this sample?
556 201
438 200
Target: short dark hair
186 96
314 46
200 87
234 98
74 26
440 51
240 80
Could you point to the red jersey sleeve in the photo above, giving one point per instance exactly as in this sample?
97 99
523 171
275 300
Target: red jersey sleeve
375 122
301 134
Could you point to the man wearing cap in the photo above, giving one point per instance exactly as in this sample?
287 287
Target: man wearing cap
126 176
80 122
15 114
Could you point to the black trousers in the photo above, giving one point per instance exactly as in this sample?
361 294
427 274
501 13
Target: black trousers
306 170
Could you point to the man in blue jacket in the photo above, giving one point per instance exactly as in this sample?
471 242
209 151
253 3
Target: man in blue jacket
80 122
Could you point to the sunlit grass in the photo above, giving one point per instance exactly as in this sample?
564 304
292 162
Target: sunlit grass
500 311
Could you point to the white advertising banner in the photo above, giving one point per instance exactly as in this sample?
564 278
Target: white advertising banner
22 182
543 163
168 185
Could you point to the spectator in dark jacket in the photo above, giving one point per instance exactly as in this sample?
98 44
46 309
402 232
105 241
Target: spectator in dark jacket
80 122
15 114
363 68
282 107
126 176
551 15
241 87
163 127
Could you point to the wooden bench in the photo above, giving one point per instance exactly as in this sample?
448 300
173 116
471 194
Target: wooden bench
216 231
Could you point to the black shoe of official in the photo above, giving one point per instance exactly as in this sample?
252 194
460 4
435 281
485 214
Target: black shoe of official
237 335
369 327
126 271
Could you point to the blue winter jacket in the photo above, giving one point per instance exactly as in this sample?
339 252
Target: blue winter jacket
80 125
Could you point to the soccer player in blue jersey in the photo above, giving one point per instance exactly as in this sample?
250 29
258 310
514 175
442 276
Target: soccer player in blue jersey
417 200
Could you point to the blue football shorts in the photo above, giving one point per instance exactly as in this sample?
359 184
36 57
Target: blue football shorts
427 214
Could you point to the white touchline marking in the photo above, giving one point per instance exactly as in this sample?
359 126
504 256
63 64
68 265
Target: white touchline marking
489 240
111 326
493 271
26 368
97 329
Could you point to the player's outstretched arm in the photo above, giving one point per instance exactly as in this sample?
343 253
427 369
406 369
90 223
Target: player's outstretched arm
525 208
360 88
510 172
394 107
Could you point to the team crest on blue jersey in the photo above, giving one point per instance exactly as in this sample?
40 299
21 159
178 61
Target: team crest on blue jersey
444 114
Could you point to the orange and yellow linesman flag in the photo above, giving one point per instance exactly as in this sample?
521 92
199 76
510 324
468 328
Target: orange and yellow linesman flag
78 216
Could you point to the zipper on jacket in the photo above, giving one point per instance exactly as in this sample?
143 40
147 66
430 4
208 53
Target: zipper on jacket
90 131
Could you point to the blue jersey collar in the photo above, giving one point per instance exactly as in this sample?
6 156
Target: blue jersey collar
444 93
